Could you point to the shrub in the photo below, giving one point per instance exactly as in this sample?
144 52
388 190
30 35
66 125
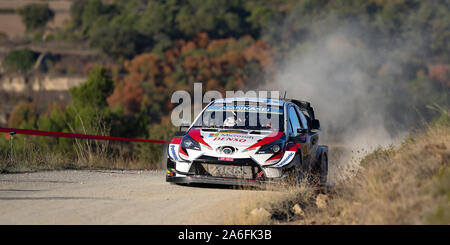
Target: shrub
23 115
20 60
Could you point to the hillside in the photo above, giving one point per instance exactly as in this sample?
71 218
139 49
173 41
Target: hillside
404 184
113 66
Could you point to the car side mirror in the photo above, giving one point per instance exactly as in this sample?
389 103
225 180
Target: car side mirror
315 124
301 138
302 130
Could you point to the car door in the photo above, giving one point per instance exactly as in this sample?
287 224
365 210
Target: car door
313 137
293 125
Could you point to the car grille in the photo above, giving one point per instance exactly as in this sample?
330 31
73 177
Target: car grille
239 168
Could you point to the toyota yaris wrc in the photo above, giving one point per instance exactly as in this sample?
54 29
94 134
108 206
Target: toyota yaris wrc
245 141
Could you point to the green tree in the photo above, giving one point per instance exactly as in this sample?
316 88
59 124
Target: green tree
93 93
36 16
89 109
127 28
86 15
118 41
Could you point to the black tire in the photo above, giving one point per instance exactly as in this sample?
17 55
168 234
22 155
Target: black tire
296 171
323 170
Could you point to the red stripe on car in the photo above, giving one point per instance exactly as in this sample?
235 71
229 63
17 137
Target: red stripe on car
292 146
269 138
176 140
182 151
195 134
279 156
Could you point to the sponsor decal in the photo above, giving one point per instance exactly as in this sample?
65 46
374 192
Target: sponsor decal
285 160
230 159
234 132
232 135
230 139
174 154
237 135
236 108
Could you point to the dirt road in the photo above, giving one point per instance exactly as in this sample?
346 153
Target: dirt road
112 197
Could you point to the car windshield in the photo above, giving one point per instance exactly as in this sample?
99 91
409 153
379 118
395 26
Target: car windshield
249 116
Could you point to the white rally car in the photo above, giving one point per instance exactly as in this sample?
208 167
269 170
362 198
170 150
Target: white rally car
247 141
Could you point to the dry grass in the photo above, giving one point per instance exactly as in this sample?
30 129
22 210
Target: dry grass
408 184
32 154
272 205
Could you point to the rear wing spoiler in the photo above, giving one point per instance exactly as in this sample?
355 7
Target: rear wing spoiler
306 107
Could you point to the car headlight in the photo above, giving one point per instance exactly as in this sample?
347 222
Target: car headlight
188 143
276 148
271 148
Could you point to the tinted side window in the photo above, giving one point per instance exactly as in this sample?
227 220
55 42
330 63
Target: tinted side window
303 119
293 120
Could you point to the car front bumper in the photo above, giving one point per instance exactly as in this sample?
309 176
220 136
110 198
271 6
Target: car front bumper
202 179
198 179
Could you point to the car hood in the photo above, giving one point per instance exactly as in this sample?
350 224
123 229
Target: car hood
242 139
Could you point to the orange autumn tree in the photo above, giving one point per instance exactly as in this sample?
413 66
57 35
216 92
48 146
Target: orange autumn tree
221 64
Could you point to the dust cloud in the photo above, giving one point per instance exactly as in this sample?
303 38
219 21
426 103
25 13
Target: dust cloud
344 79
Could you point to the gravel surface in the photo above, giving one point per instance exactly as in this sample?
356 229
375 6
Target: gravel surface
112 197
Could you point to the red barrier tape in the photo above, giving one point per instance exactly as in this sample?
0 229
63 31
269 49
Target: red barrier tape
78 136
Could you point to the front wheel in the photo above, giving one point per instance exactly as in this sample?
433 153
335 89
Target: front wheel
295 173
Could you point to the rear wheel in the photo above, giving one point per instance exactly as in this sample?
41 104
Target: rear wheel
323 170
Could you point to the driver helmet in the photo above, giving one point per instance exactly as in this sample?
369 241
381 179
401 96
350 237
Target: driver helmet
230 122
